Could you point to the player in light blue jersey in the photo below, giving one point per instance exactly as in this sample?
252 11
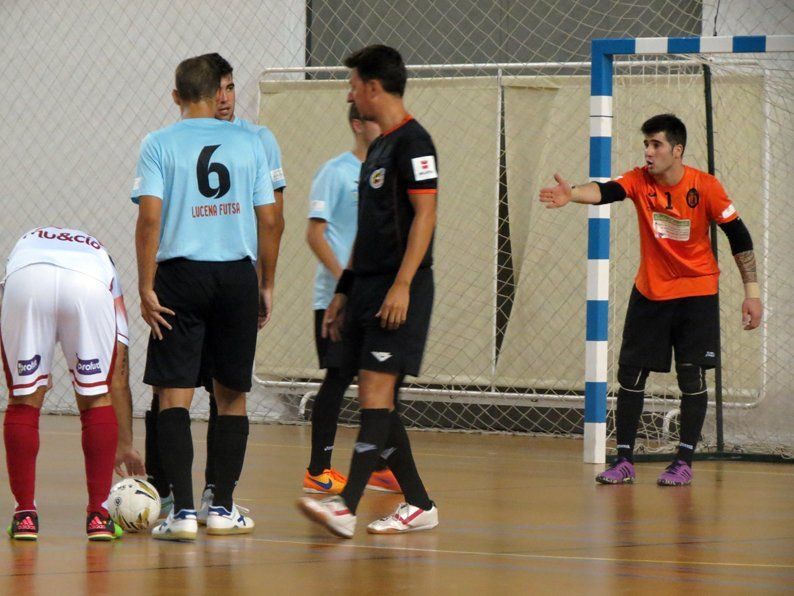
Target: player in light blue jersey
206 213
333 215
224 111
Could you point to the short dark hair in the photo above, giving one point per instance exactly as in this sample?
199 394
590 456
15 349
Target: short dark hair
221 63
197 78
382 63
672 127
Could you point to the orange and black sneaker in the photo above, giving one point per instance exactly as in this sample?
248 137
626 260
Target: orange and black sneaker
384 481
24 526
100 527
330 482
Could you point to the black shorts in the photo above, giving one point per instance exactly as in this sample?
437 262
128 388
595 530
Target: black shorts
367 346
217 304
654 328
329 353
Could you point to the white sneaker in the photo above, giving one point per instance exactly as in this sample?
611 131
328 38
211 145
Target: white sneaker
182 526
166 505
221 521
204 508
406 518
331 513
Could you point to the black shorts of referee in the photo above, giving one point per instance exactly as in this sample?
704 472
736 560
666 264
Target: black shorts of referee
655 328
367 345
215 303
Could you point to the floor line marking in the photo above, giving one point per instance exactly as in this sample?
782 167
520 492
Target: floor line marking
528 555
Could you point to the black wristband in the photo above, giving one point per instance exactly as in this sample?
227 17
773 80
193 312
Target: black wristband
345 282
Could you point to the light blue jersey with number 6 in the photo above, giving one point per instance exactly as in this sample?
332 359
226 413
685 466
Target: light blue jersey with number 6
210 175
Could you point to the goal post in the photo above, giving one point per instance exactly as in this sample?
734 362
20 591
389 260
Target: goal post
603 54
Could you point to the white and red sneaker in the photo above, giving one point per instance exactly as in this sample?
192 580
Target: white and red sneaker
332 513
406 518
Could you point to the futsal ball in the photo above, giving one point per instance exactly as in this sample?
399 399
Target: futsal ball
134 504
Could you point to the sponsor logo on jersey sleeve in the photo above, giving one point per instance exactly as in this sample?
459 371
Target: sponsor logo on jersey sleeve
28 367
276 175
317 206
88 367
377 178
136 184
728 211
424 168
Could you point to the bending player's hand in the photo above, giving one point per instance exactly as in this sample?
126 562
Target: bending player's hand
152 312
752 310
334 318
556 196
394 309
128 457
265 307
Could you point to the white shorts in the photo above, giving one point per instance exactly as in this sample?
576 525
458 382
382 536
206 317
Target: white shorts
44 304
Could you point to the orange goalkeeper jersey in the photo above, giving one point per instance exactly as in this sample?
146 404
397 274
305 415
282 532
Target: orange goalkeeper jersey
675 249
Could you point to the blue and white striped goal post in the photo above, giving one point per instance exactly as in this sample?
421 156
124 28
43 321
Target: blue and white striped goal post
603 52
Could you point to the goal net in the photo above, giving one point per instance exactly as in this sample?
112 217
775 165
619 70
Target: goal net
506 348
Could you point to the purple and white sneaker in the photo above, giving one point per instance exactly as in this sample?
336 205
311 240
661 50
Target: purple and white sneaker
621 472
677 473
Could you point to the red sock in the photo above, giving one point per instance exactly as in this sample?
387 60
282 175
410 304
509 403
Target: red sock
100 435
21 435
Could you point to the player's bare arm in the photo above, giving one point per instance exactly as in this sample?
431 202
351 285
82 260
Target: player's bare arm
563 193
147 241
394 309
279 196
742 250
127 457
269 227
334 315
752 308
315 238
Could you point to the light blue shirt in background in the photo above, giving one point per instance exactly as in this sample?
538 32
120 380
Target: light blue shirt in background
272 150
334 199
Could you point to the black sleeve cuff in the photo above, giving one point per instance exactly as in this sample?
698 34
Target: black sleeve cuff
345 282
738 236
611 192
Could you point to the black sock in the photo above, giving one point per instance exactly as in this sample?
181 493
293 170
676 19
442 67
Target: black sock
401 461
176 454
693 413
627 418
371 438
325 414
154 469
231 437
209 467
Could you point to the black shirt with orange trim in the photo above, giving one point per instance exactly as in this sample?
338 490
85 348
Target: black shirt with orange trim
400 163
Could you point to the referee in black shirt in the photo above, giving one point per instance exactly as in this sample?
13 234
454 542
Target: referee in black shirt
386 297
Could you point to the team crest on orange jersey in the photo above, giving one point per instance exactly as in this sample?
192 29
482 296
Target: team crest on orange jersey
692 198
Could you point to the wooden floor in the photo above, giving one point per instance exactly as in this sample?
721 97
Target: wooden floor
518 515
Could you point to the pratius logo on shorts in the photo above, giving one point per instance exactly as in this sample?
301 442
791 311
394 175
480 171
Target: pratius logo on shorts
28 367
88 367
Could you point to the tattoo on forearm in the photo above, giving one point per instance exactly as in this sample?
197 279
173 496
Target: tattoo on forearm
745 261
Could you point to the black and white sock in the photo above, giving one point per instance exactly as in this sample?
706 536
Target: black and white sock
325 415
209 467
176 454
371 439
401 461
627 418
693 414
231 438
